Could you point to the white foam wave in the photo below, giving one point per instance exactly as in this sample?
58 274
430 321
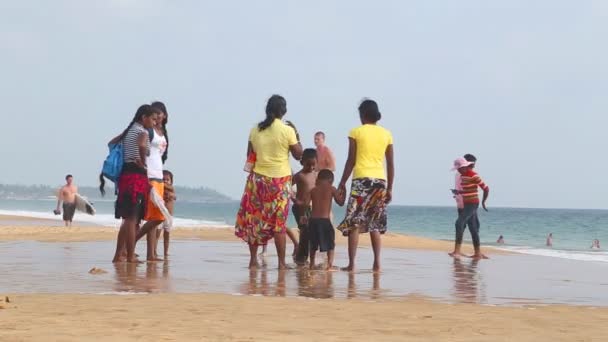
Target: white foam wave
108 220
598 255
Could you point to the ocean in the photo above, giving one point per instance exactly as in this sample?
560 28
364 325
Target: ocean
524 230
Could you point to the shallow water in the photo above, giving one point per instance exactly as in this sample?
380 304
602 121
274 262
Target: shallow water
220 267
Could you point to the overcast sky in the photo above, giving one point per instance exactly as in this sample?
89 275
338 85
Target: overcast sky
521 84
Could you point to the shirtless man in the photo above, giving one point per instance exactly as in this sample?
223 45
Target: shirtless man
325 156
67 196
304 180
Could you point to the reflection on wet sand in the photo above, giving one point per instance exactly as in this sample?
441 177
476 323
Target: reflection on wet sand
142 278
217 267
467 279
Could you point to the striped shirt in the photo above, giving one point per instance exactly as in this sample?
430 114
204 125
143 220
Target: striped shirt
130 145
469 182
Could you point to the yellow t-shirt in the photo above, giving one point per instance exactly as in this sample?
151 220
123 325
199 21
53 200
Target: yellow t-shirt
271 147
372 141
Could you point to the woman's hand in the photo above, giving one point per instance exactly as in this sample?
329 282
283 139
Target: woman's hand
389 196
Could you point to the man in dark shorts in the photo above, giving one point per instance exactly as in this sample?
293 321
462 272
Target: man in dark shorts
66 199
321 230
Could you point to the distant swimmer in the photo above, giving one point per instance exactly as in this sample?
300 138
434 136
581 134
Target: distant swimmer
595 244
550 240
66 199
501 240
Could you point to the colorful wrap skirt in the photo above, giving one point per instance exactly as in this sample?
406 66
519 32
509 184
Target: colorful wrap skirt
133 190
366 208
264 209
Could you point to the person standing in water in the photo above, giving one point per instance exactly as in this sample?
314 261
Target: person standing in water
133 186
325 157
154 217
264 207
369 145
550 240
66 199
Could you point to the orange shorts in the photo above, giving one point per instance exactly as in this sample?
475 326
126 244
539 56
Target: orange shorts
152 211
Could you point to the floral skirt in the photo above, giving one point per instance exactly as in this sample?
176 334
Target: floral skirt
366 208
264 209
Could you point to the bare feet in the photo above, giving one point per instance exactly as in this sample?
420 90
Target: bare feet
479 256
119 260
456 255
254 265
376 267
332 269
134 261
285 267
348 268
155 259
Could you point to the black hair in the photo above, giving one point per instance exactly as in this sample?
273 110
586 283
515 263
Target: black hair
309 153
168 173
470 158
68 176
369 112
326 174
161 106
275 109
321 134
143 111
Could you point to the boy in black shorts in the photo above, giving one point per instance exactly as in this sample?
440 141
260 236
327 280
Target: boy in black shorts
322 234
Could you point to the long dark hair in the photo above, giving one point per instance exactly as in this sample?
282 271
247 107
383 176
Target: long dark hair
143 111
275 109
161 106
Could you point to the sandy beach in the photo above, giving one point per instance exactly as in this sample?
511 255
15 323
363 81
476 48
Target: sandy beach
208 316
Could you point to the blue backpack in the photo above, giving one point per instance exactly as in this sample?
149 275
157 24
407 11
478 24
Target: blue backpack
112 166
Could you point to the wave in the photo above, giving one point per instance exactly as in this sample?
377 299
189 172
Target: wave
591 255
108 220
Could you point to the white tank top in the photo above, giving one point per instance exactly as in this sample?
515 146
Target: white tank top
154 162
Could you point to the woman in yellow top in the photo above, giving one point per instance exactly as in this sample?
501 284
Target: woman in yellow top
265 203
371 190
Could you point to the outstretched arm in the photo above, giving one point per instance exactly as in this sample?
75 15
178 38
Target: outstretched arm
350 163
390 172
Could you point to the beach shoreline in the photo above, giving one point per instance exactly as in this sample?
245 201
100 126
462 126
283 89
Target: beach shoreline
80 233
210 316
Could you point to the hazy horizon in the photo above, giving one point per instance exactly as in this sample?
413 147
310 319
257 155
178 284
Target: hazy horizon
521 85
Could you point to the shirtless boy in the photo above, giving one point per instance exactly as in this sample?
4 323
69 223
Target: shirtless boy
304 180
322 234
67 196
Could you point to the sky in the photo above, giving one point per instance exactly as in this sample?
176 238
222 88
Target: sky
521 84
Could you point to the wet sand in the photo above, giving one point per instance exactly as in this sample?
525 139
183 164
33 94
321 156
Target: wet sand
204 292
